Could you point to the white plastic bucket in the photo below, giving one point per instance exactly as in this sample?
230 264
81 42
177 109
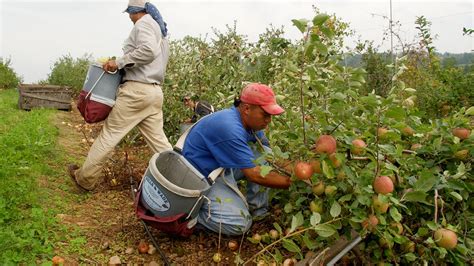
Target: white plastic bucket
103 83
171 185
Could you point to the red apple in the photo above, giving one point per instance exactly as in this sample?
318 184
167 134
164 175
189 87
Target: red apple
371 222
326 144
383 184
303 170
445 238
316 166
461 133
408 131
358 146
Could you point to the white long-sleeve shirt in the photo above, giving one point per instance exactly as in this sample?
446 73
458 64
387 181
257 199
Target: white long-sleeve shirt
146 53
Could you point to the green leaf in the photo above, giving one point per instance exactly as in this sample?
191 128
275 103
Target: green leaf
395 112
458 184
354 84
321 48
289 245
292 67
410 257
335 209
426 181
278 228
456 195
315 218
265 170
345 198
292 136
422 231
395 214
431 225
339 96
300 24
415 196
461 171
296 221
392 167
238 260
320 19
328 32
288 207
309 49
308 242
324 230
327 170
470 111
280 97
369 100
437 143
358 77
253 241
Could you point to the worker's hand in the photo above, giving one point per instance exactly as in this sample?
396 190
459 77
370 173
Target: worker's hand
272 179
110 66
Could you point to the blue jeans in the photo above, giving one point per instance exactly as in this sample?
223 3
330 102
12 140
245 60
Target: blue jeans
227 211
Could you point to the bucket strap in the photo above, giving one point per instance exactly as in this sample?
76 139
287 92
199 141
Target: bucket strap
195 205
237 191
208 207
180 143
97 81
178 147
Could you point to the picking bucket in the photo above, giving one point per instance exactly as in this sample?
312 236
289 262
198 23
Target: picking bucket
171 186
103 83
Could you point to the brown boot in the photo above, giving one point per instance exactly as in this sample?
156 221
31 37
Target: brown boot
72 173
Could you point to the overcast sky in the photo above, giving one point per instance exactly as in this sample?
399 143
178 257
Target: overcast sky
35 33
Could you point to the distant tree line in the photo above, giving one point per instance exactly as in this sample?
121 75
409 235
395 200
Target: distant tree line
447 59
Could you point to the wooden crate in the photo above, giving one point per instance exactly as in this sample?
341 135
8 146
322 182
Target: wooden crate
44 96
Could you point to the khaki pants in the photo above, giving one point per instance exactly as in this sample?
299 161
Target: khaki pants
137 104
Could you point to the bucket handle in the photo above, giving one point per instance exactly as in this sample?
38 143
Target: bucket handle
196 204
97 81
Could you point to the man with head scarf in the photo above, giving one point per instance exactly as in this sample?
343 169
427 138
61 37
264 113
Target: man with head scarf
139 98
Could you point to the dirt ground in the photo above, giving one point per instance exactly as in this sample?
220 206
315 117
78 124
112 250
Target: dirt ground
106 218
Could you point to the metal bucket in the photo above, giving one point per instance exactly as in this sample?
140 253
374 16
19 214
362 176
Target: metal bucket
103 84
171 186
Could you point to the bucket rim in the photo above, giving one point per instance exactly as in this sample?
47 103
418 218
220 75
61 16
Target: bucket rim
96 64
189 193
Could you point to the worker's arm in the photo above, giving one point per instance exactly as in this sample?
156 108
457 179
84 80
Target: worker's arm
272 179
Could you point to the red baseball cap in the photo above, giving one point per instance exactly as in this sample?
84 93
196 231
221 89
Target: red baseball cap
262 95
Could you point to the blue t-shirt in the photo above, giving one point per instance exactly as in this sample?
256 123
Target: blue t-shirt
220 140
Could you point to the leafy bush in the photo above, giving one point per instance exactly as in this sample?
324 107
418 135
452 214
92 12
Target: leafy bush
70 72
378 75
8 77
432 184
440 90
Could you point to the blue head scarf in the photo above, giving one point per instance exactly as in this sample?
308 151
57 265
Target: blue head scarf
153 12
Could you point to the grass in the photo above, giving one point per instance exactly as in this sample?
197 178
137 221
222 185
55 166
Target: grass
29 154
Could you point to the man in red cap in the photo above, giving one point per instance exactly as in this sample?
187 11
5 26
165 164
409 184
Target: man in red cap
224 139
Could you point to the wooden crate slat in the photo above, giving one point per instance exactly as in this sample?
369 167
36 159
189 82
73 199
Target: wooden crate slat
44 96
